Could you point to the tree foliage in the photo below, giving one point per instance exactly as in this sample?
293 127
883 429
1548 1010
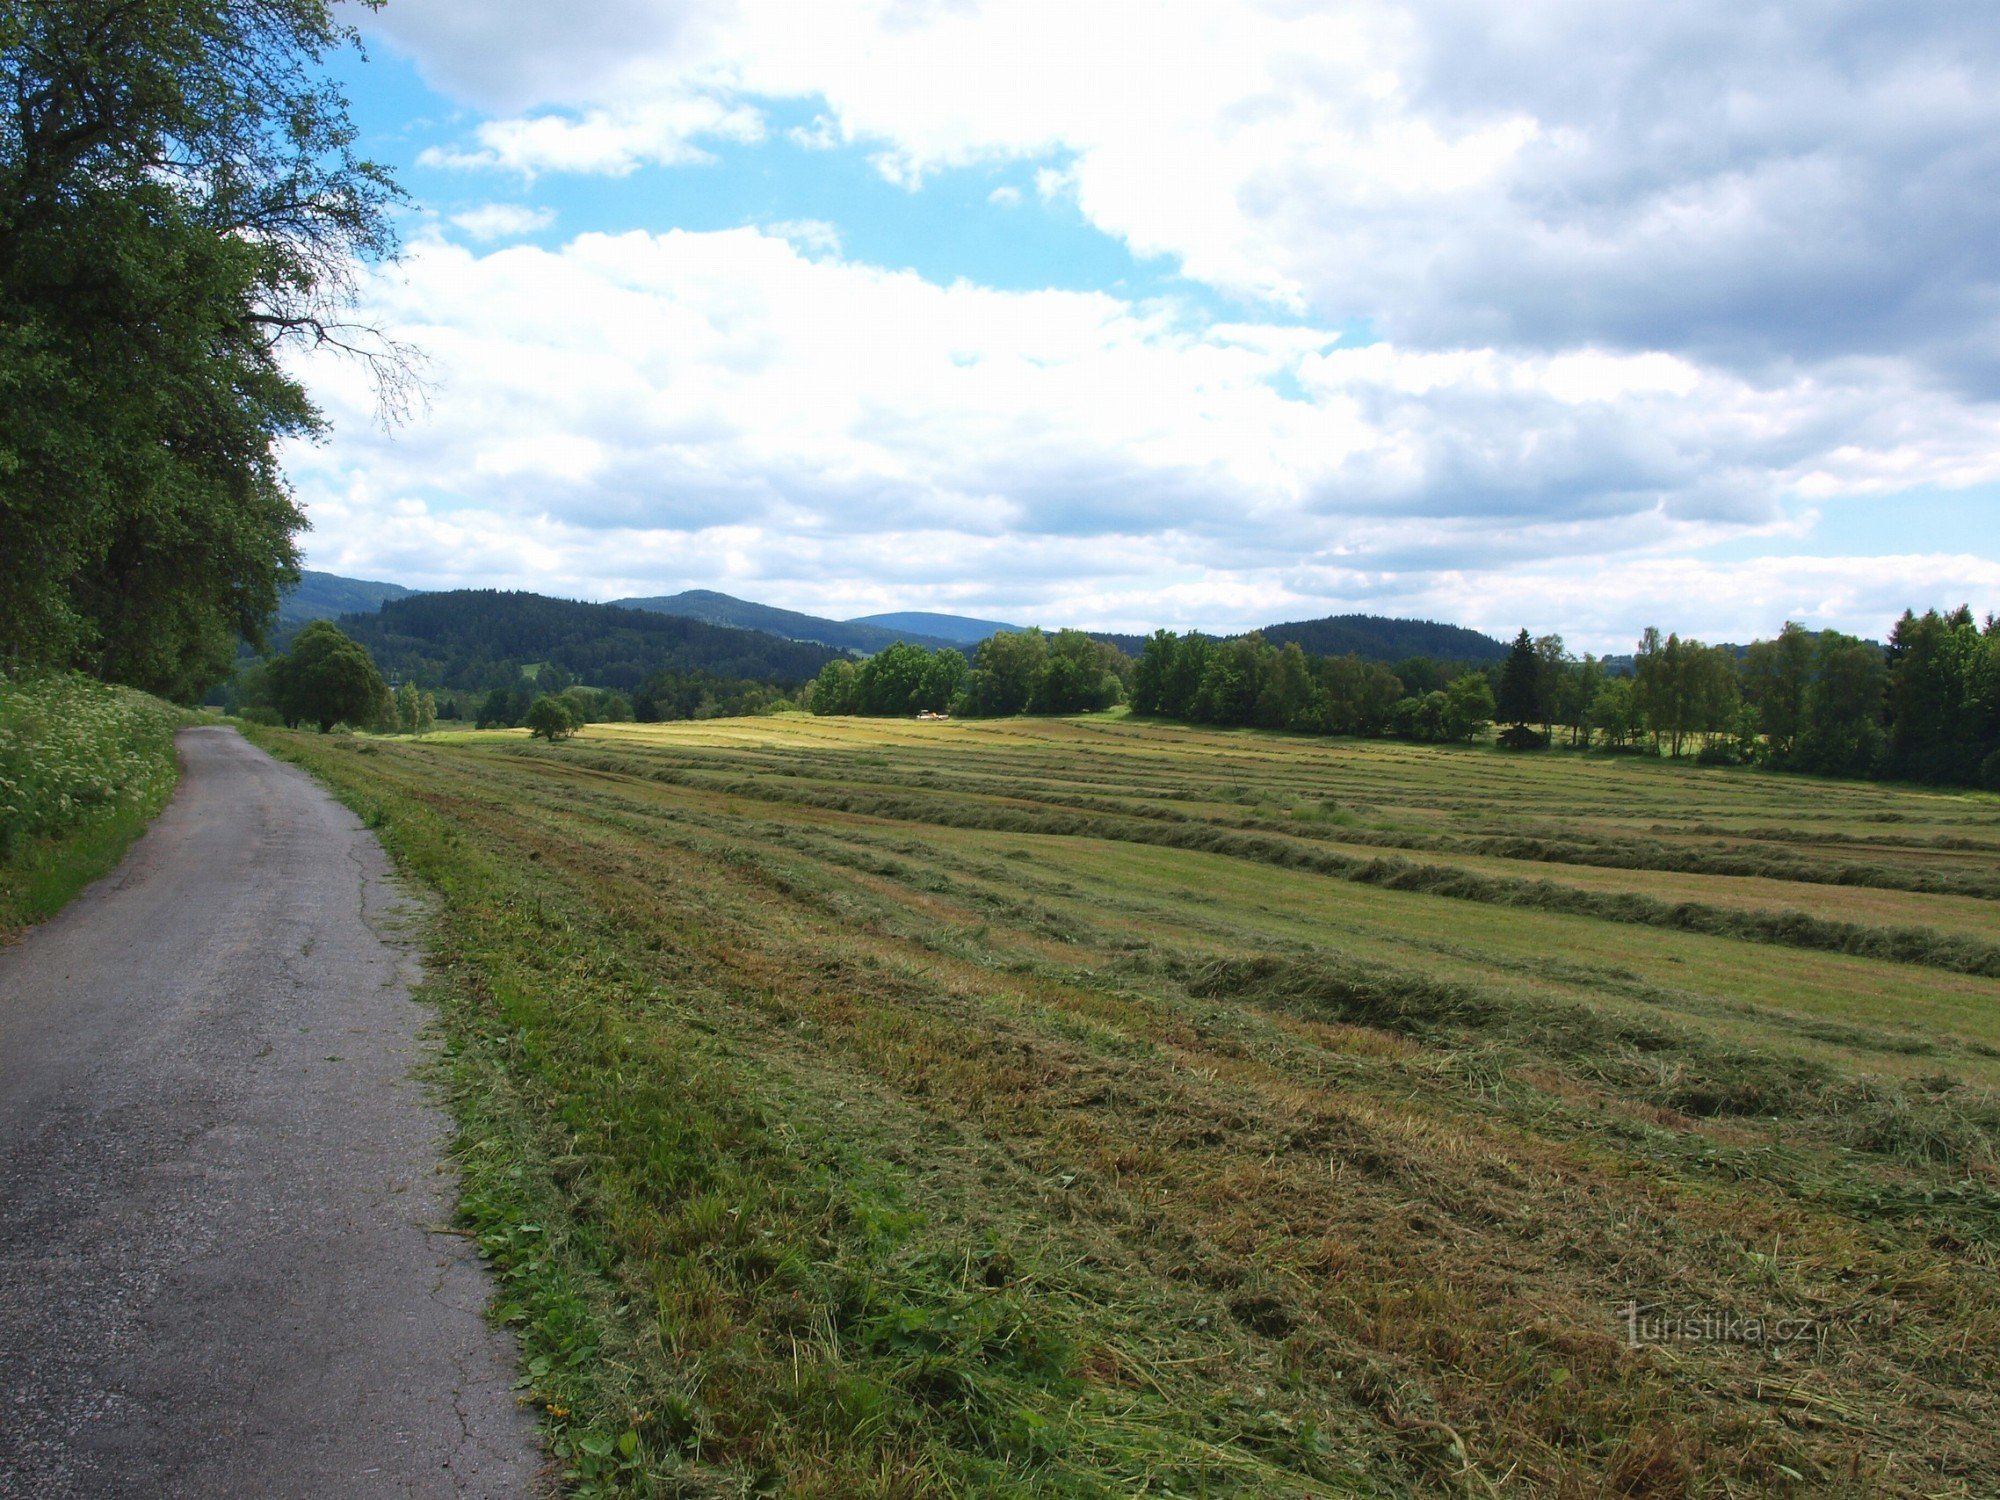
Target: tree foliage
550 718
328 679
179 201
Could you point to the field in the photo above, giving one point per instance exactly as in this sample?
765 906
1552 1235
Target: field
1083 1107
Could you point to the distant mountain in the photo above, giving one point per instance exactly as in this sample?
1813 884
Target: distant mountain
864 636
960 630
1379 638
470 638
324 596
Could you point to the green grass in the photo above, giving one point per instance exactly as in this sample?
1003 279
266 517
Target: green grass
84 767
1060 1107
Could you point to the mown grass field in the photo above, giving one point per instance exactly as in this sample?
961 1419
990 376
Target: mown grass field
1082 1107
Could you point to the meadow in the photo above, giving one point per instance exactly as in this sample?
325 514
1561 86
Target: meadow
1091 1107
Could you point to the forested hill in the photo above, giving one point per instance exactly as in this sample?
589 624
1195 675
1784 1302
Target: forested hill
476 638
1378 638
1370 637
724 609
326 596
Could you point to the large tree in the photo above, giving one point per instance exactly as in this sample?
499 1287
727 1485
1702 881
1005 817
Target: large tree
328 678
179 201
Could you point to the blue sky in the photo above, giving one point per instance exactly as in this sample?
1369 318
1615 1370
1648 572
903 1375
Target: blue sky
1577 317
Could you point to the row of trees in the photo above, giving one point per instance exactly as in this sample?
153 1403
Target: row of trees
1925 708
1012 672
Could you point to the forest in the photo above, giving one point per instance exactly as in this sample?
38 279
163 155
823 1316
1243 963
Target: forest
474 640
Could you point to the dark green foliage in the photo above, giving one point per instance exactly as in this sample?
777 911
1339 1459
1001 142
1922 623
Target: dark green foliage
550 718
1379 639
1519 700
327 679
1007 672
463 639
1942 696
179 199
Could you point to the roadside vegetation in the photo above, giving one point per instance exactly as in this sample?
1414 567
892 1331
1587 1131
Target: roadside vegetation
84 766
1044 1107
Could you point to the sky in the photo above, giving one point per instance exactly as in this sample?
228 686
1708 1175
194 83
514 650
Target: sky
1579 315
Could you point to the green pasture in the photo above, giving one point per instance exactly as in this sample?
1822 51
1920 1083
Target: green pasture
1093 1107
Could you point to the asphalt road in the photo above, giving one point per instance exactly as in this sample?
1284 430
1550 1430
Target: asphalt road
222 1265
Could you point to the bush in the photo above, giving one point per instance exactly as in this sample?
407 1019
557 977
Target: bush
71 747
1521 737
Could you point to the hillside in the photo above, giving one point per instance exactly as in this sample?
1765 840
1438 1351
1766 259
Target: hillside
1379 638
844 635
960 630
326 596
470 638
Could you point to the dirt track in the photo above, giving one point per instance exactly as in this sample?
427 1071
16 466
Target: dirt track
221 1265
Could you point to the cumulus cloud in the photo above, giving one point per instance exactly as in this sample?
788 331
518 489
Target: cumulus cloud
1749 184
637 412
503 221
664 133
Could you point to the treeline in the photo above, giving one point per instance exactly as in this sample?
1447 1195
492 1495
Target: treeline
1926 707
1013 672
664 696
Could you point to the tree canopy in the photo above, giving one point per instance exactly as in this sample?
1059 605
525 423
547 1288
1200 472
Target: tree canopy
179 200
328 679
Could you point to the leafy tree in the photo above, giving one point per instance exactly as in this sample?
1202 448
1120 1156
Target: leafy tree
1842 733
891 682
1082 675
1232 680
1777 677
179 203
1614 713
833 691
1553 668
550 718
1581 682
944 680
1519 699
1151 671
1468 707
327 679
1357 696
1007 672
1941 696
1289 698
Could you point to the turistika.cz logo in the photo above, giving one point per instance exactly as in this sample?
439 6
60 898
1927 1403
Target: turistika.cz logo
1707 1325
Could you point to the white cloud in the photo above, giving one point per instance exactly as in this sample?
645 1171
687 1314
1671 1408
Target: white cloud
634 413
814 235
503 221
604 141
1005 197
1749 184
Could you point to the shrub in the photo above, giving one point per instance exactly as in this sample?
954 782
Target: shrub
71 747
